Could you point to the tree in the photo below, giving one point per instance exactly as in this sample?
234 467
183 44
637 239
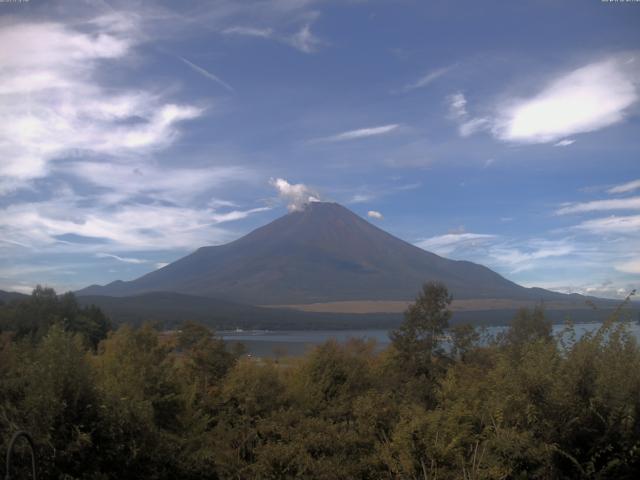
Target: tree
417 339
33 316
207 357
464 338
527 327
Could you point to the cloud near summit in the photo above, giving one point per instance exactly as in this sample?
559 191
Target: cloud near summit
297 195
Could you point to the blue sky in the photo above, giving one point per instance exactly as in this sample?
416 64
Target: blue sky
505 133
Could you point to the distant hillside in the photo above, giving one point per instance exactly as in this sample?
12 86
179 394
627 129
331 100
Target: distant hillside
8 296
171 309
324 253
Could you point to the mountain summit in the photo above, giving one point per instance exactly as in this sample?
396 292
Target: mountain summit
323 253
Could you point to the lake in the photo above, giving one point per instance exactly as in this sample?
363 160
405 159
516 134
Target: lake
265 343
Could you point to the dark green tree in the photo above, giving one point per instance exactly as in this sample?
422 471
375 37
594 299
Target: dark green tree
464 338
33 316
528 326
207 356
417 340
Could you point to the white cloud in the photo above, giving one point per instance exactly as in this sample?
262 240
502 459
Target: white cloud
604 289
207 74
630 266
133 260
249 31
457 106
161 265
472 126
236 214
361 198
632 203
161 183
50 91
84 135
297 195
26 289
625 187
517 259
304 40
610 225
427 79
360 133
589 98
448 243
45 227
496 251
564 142
458 112
375 214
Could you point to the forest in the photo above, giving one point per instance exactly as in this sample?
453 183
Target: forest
439 403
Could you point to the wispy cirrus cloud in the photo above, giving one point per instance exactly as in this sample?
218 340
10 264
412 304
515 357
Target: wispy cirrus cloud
503 253
360 133
467 125
518 259
361 198
625 187
368 193
303 40
426 79
611 225
83 172
125 227
123 181
50 88
249 31
236 214
500 252
133 260
207 74
450 242
632 203
564 142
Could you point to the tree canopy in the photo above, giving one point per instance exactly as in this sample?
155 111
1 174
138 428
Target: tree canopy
437 403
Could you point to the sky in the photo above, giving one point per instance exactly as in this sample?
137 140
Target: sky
505 133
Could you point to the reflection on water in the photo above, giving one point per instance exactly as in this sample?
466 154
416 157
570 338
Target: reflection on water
265 343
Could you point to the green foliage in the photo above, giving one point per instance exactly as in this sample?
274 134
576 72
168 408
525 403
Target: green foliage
145 404
32 318
464 339
49 391
527 327
425 320
207 358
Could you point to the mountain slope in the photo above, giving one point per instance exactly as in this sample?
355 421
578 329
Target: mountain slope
323 253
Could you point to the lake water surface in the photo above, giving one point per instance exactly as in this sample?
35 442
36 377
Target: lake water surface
264 343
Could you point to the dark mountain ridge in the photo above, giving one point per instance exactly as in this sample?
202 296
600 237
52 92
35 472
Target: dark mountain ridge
320 254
